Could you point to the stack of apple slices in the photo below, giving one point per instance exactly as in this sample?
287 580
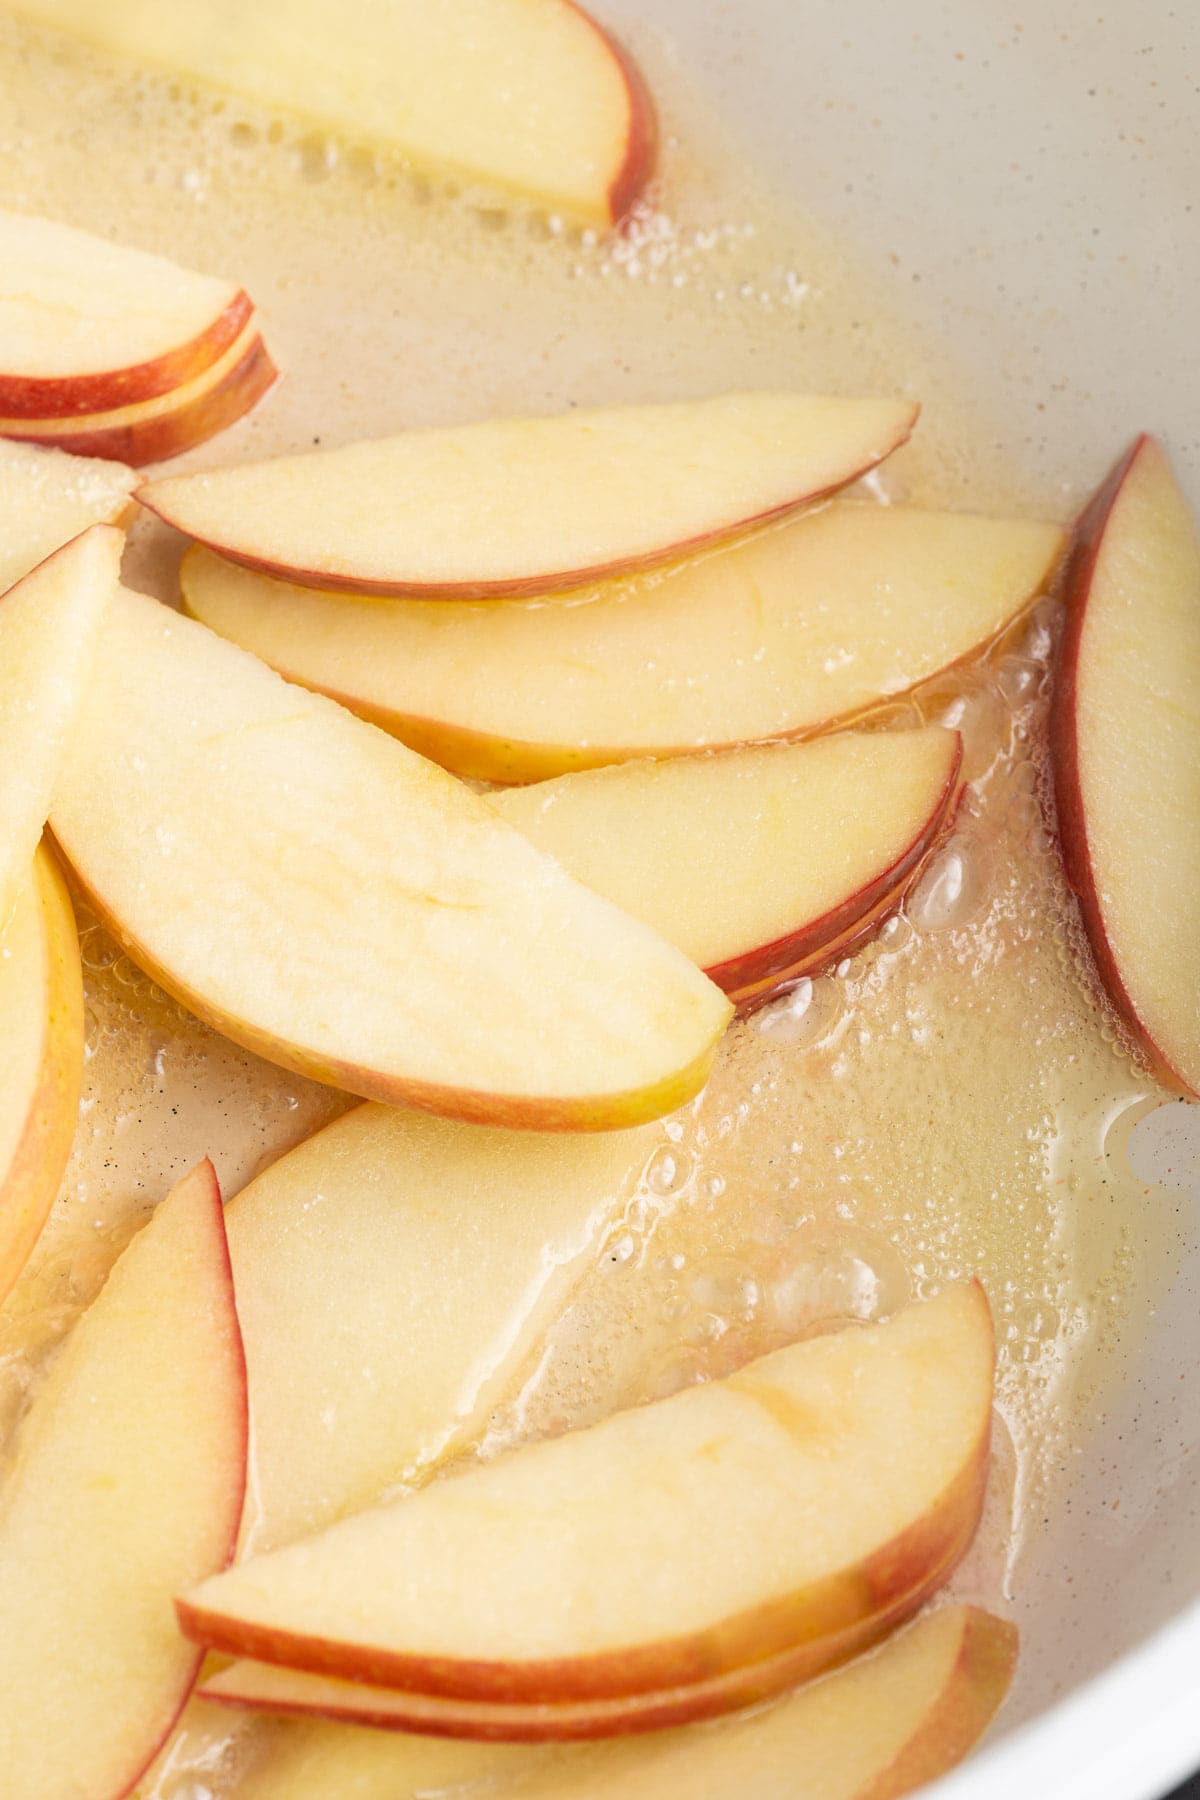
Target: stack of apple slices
111 352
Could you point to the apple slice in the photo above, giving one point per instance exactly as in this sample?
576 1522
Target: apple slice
49 628
128 1480
777 637
1126 738
536 100
152 430
757 862
364 1372
41 1058
521 506
786 1508
335 903
87 325
47 498
877 1728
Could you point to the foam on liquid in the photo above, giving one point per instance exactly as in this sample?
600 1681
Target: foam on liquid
948 1102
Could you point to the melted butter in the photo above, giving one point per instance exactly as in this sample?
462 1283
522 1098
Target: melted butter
948 1102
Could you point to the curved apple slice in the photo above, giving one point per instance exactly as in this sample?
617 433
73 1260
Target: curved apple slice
153 430
364 1372
128 1480
48 497
819 1489
337 904
41 1058
758 862
87 325
781 636
49 628
535 100
511 507
1126 739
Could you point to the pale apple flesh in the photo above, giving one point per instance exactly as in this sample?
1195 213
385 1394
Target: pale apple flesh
348 910
89 325
823 1487
873 1730
41 1058
48 497
758 862
333 1249
1126 743
511 507
536 101
153 430
129 1476
50 624
786 634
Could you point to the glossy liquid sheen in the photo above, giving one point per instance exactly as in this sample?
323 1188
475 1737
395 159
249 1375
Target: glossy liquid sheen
950 1101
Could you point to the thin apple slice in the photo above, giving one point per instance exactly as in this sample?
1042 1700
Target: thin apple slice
536 100
364 1370
41 1058
153 430
781 636
1126 737
757 862
341 906
87 325
514 507
48 497
877 1728
128 1479
832 1484
49 627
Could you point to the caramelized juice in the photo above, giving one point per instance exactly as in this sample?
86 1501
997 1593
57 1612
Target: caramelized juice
951 1100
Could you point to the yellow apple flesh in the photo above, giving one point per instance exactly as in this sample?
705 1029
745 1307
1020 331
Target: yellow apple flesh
50 625
757 862
393 1273
534 99
1126 736
129 1475
88 325
522 506
784 1508
48 497
41 1058
341 906
780 636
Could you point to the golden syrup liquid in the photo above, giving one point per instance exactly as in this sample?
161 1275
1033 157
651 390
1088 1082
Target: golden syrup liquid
949 1101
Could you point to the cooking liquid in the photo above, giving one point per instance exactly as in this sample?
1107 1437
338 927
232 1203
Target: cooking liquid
950 1101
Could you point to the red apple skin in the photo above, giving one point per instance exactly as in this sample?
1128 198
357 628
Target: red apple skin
811 1628
37 397
751 978
174 430
641 149
1078 574
969 1702
537 585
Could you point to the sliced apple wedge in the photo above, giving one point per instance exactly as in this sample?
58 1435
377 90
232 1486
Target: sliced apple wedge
49 627
875 1730
757 862
1126 736
348 910
364 1371
780 636
153 430
128 1480
513 507
828 1486
48 497
41 1058
536 100
87 325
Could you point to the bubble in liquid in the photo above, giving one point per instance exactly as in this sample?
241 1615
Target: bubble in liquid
805 1015
953 889
824 1277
